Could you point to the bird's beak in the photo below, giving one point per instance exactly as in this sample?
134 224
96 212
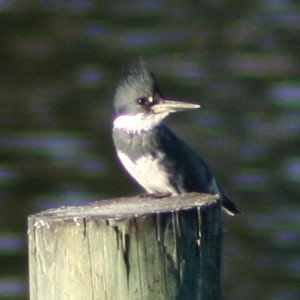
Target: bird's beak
168 106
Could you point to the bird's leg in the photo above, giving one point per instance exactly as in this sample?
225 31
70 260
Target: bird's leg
155 196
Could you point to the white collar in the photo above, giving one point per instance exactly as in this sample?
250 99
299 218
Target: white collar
137 123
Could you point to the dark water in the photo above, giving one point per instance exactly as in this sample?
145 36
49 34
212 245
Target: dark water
60 62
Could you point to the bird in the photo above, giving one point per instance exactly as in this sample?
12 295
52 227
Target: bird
153 155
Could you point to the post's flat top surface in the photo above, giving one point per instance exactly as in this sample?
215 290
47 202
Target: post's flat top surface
131 206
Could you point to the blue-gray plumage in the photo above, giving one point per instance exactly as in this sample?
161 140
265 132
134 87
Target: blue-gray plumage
158 160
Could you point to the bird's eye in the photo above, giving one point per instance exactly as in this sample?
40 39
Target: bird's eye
142 101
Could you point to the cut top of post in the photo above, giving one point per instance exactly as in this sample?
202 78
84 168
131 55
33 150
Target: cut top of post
124 207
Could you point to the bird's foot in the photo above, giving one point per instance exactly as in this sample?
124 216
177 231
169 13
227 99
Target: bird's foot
156 195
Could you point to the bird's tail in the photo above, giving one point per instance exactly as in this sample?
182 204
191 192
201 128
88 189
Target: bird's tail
229 207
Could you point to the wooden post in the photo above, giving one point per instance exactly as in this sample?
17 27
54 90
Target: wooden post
128 249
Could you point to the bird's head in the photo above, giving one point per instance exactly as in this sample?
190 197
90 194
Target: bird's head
139 102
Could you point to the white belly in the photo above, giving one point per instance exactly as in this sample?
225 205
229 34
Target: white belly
148 172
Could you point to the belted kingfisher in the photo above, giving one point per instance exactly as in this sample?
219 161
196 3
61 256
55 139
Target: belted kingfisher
152 154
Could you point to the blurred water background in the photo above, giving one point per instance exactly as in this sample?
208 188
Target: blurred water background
60 62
